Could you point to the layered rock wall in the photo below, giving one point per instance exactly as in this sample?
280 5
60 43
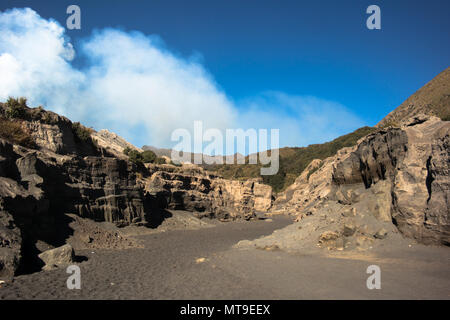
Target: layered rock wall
397 175
38 188
208 195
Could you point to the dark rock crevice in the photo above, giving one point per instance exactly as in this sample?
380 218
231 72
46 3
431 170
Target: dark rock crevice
429 179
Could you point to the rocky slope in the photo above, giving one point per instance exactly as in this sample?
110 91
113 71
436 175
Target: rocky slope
431 99
112 142
63 171
394 180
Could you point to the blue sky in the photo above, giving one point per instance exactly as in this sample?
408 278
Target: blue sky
250 50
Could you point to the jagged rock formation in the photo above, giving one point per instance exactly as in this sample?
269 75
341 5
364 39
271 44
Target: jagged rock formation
112 142
394 182
63 172
105 189
415 163
191 188
55 133
37 188
395 179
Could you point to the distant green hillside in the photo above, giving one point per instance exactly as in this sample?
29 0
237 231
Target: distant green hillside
292 161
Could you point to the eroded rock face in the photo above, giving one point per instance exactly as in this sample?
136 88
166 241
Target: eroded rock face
104 189
421 188
262 197
10 246
38 187
414 160
192 189
397 176
66 174
375 158
57 137
113 143
55 133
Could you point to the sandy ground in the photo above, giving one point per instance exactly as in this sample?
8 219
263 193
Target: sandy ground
202 264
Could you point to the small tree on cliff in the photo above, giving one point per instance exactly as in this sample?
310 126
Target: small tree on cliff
15 108
135 156
148 156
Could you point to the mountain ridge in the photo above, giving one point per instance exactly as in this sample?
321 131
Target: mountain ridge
431 99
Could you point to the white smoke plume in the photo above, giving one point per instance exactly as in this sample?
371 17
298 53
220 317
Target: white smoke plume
132 85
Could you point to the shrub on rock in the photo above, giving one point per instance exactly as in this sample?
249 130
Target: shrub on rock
15 108
148 156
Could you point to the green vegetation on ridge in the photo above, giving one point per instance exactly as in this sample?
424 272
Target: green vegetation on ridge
292 161
11 128
147 156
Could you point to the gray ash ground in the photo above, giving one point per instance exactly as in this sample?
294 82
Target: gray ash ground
202 264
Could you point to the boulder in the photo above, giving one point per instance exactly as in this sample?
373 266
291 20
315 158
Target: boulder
327 236
58 257
381 234
349 229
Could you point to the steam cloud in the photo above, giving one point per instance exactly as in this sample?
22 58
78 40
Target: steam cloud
133 86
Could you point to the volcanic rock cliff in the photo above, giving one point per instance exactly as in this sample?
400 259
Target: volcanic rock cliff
51 167
393 184
394 180
37 188
191 188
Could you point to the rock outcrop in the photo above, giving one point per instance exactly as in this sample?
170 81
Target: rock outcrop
67 171
37 189
394 180
191 188
413 165
112 142
104 189
62 172
56 133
